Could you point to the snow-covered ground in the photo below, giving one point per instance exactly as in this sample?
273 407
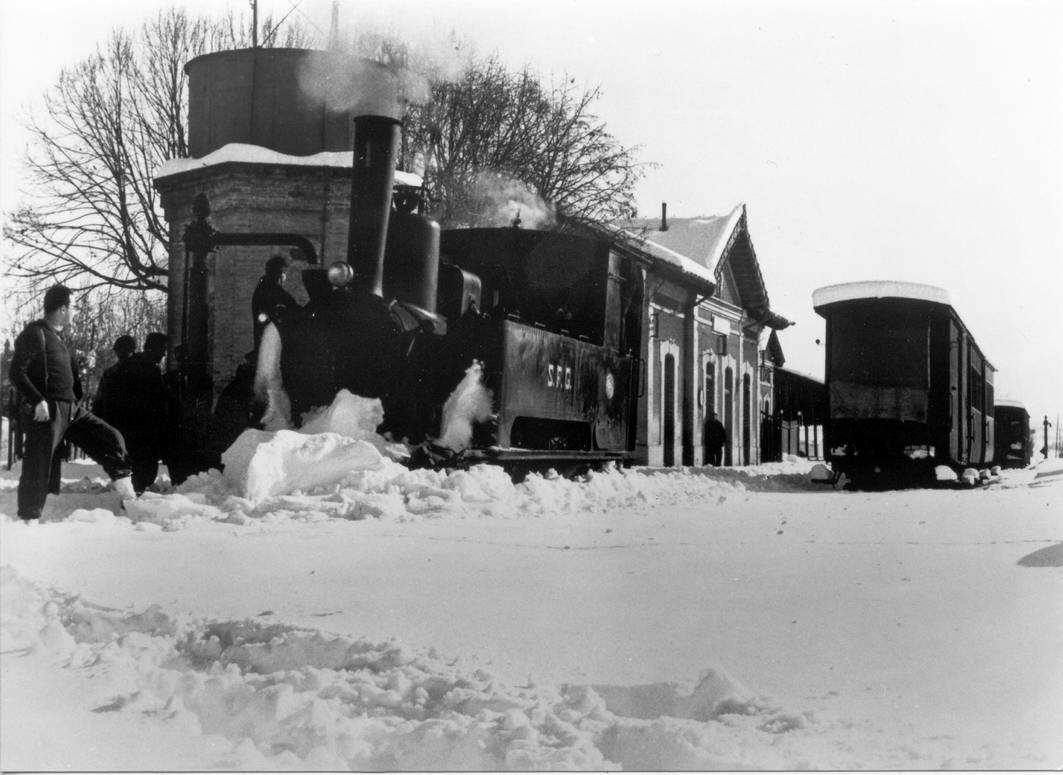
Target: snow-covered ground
321 607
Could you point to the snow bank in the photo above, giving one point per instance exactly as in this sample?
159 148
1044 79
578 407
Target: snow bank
261 464
337 466
294 698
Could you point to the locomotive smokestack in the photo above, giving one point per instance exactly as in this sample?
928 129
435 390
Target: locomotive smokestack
664 216
376 148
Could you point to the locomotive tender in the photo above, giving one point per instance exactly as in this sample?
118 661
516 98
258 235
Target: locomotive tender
908 388
554 319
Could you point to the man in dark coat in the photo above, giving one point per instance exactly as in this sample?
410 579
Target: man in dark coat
270 302
43 371
135 402
715 438
123 347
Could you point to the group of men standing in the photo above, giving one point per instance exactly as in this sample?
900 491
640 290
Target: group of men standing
125 429
133 398
136 418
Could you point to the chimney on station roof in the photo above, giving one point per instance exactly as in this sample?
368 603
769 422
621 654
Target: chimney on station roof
664 216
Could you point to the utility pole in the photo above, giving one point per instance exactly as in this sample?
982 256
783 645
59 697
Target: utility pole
334 27
1047 424
254 23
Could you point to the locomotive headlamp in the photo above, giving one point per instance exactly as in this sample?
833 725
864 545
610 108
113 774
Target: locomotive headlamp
340 274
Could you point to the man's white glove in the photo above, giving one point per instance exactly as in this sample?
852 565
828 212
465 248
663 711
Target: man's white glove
41 413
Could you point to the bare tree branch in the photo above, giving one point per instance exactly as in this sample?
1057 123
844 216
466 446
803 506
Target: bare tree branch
494 142
94 219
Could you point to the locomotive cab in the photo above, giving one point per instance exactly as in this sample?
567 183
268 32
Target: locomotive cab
552 339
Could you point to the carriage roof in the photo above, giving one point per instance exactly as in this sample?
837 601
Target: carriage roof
878 289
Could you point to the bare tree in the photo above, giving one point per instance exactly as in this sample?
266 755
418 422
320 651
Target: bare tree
93 220
493 142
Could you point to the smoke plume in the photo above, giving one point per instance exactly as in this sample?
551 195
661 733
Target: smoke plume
269 386
503 201
345 82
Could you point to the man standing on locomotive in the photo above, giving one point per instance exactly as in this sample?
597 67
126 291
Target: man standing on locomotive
270 301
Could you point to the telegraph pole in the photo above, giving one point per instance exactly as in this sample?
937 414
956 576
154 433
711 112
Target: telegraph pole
254 23
1047 425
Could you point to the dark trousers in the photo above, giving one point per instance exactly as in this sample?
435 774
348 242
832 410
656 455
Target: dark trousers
144 456
715 455
145 471
40 464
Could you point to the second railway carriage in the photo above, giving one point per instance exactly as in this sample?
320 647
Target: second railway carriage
908 388
1014 447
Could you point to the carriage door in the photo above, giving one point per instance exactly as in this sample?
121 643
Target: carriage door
728 412
669 410
957 400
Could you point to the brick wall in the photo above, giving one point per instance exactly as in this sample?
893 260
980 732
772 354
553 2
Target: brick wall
313 202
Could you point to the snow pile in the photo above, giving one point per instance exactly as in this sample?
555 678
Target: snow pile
337 466
332 443
286 697
261 464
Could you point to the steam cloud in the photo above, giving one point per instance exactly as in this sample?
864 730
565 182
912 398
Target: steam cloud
345 82
504 200
268 383
470 402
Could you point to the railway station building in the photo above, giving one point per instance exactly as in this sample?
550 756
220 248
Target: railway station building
703 352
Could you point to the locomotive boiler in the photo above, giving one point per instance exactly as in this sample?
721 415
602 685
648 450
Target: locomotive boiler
908 388
551 319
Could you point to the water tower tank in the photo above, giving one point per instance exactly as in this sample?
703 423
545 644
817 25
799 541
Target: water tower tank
260 96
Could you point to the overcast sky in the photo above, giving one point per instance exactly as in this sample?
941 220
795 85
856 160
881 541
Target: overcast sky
918 141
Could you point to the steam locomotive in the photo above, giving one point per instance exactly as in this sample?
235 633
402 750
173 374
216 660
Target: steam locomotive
551 318
908 387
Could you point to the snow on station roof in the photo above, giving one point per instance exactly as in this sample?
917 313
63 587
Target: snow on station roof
878 289
705 242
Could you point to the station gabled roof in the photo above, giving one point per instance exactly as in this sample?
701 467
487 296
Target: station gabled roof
774 349
715 242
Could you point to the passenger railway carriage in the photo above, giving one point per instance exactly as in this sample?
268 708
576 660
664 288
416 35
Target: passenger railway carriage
1014 447
908 388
